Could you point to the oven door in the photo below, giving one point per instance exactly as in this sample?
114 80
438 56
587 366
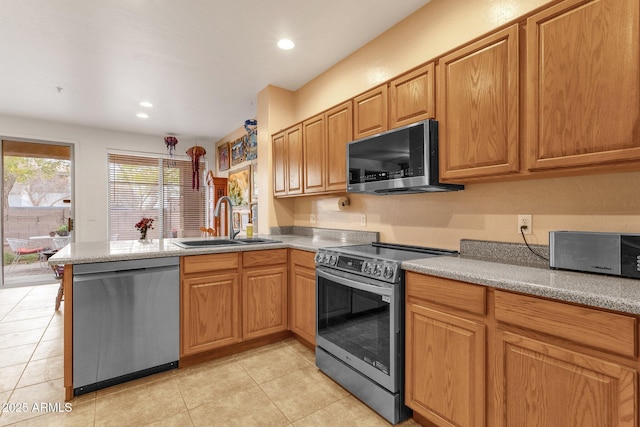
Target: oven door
359 323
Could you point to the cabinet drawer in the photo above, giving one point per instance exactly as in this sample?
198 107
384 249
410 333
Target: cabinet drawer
591 327
304 258
450 293
268 257
211 262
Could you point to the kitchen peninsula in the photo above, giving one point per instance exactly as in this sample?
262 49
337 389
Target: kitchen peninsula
208 275
567 328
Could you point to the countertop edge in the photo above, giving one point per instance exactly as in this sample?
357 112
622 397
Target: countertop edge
92 252
601 291
607 292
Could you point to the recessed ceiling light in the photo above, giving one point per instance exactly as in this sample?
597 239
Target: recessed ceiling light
146 104
286 44
142 115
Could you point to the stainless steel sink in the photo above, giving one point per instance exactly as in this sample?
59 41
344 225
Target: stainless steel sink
205 243
191 244
257 240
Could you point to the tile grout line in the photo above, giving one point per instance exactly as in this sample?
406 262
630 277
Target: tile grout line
15 387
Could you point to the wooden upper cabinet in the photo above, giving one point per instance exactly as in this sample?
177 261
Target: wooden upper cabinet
279 165
478 108
339 132
325 137
294 160
315 144
412 97
287 161
370 113
583 96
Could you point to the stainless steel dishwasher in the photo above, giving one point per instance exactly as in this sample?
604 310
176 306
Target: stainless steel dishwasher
126 321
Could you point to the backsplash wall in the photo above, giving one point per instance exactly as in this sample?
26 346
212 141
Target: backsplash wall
489 211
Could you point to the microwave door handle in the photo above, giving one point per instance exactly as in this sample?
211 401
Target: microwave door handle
378 290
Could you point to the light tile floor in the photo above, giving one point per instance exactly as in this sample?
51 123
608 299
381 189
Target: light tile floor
275 385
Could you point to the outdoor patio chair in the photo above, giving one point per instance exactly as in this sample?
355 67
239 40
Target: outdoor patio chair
58 270
22 247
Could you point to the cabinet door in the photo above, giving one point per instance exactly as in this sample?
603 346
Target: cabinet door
210 317
445 365
264 301
583 91
478 108
302 319
279 165
412 97
314 150
539 384
294 159
370 114
339 127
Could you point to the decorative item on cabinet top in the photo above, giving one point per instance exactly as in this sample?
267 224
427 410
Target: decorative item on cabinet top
246 147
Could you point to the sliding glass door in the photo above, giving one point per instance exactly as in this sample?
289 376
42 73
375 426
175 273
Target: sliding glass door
37 207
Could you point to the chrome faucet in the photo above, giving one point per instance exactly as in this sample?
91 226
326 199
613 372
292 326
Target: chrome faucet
216 213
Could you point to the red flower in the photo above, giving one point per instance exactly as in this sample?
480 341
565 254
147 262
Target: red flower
145 224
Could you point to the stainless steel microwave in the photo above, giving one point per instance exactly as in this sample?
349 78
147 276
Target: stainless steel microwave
400 161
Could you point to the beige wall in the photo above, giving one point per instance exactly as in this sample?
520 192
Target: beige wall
90 167
437 27
481 211
276 110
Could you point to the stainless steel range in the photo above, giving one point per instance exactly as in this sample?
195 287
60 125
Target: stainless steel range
360 321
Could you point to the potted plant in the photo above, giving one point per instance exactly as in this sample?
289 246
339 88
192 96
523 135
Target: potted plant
62 230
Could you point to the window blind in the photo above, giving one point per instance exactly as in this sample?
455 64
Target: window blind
154 187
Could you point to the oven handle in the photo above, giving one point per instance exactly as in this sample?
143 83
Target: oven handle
378 290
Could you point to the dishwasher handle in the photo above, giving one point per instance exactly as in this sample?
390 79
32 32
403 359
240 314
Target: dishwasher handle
123 267
87 277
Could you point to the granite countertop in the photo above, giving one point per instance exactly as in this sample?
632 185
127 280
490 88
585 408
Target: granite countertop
121 250
595 290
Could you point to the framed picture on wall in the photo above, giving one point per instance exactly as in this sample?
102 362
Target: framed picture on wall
239 186
237 152
223 157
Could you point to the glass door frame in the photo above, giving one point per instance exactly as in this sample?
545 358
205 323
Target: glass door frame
72 169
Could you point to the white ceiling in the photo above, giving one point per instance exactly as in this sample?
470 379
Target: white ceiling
200 62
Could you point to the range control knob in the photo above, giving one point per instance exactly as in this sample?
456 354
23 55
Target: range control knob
319 258
333 260
377 271
368 268
388 272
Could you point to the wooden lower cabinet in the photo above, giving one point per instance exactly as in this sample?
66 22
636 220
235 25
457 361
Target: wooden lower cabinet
231 297
445 359
264 293
540 384
210 315
505 359
302 295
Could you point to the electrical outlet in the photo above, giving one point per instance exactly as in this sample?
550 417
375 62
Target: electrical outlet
363 220
312 219
525 221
